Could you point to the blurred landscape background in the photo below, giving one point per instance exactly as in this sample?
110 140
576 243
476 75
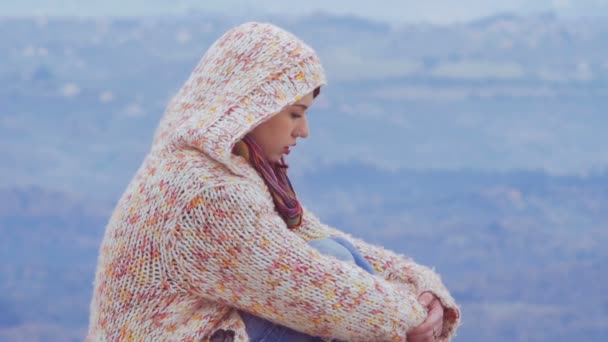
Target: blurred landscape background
476 145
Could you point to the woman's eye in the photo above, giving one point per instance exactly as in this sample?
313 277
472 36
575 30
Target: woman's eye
296 115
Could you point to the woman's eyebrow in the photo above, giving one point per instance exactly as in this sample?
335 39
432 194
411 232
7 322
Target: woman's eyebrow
305 107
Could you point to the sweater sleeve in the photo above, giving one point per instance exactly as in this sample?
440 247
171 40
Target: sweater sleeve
394 268
233 248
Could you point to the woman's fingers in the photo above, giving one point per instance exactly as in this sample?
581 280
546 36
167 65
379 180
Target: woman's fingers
431 328
438 328
426 298
420 338
433 323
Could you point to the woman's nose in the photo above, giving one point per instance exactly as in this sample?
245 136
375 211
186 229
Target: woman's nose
303 129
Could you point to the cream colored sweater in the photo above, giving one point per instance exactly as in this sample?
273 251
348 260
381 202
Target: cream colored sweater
195 237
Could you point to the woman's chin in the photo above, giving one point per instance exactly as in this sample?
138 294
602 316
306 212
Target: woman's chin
275 158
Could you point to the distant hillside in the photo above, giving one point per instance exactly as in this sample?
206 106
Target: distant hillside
49 248
82 97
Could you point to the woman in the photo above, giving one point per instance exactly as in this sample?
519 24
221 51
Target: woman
209 241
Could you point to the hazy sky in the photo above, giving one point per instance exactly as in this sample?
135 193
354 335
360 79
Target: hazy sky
394 11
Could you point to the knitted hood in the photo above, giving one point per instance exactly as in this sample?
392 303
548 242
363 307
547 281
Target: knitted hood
248 75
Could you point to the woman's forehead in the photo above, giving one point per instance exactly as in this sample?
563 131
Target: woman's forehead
305 101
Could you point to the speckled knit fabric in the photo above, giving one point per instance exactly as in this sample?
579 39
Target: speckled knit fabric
195 237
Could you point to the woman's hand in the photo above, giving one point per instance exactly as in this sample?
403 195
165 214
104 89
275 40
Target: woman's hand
431 328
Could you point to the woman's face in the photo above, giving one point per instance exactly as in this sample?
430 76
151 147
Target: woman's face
278 134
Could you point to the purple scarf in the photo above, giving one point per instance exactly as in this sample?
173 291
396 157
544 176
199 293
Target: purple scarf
275 177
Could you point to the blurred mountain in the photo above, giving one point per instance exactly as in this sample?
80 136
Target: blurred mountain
81 97
49 250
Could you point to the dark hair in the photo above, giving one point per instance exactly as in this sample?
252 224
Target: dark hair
316 92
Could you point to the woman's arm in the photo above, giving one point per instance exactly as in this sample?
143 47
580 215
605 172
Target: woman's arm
394 268
232 247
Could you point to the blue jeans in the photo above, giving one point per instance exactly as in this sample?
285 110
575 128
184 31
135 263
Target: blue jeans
259 329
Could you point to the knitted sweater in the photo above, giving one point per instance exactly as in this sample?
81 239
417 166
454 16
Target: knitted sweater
195 238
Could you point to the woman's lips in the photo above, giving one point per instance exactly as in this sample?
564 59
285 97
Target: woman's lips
286 150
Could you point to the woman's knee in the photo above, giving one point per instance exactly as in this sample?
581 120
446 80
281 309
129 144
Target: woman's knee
328 246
